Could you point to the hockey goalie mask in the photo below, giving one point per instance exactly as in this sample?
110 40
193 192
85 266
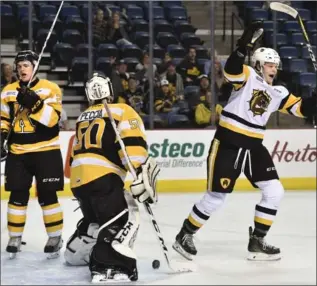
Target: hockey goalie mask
99 88
266 62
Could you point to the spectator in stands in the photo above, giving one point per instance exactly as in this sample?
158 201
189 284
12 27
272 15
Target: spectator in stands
134 96
189 68
119 78
7 75
99 28
163 66
142 68
175 80
63 122
116 32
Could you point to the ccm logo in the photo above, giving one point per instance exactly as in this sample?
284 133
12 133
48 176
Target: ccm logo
51 180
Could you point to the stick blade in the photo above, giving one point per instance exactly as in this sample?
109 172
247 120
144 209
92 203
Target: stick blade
178 267
280 7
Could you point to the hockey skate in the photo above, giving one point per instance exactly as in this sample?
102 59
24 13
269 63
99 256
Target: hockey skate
184 245
53 246
260 250
14 246
113 275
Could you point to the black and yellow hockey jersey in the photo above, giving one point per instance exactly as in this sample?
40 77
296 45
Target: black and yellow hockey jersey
243 120
32 132
96 150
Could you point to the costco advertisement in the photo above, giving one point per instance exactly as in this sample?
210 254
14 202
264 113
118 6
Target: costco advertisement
182 154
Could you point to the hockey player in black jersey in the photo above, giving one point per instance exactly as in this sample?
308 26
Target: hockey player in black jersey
237 145
105 236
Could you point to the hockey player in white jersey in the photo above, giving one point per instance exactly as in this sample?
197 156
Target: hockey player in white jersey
237 145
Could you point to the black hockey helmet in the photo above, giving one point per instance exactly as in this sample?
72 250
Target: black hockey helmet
26 55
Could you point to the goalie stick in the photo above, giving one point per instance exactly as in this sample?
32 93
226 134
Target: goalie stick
5 145
280 7
147 206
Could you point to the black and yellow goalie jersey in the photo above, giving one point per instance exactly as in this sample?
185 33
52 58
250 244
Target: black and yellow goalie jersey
32 132
96 151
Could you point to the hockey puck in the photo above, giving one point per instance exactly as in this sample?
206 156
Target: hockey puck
156 264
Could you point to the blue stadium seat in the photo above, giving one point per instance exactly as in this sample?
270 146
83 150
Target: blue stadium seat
297 39
46 10
72 37
145 4
305 14
158 52
24 27
297 66
62 54
183 26
297 4
131 51
201 52
8 22
141 39
191 94
70 10
104 64
176 51
189 39
164 39
161 25
48 21
268 26
82 50
313 39
84 12
23 11
291 27
288 52
311 27
307 79
131 64
79 69
139 25
174 13
134 12
41 37
259 14
171 3
201 63
157 61
108 50
281 39
281 17
158 13
254 4
177 61
76 23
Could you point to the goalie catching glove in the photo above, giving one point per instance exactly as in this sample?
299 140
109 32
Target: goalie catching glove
143 187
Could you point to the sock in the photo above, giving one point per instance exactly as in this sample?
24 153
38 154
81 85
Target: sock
53 219
263 220
16 215
195 220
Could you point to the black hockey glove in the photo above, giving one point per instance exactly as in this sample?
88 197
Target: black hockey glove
4 135
29 99
250 36
309 105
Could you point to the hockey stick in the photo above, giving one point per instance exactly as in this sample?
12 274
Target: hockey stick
5 145
147 206
280 7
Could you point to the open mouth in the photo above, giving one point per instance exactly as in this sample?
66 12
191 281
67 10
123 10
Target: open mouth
271 76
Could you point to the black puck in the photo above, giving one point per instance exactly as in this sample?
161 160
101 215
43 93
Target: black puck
156 264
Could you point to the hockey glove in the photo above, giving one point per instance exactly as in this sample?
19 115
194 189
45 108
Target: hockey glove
4 153
250 36
144 187
29 99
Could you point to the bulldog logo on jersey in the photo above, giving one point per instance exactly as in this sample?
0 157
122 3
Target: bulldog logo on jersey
259 102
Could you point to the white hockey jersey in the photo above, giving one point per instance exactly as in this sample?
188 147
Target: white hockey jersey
243 119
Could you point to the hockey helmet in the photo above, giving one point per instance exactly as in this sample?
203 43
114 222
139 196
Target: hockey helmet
98 88
26 55
264 55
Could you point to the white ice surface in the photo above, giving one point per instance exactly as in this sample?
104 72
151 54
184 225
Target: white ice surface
221 244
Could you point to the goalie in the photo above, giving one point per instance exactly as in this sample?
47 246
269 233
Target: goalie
105 235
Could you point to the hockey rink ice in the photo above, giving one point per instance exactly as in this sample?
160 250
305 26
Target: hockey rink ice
221 243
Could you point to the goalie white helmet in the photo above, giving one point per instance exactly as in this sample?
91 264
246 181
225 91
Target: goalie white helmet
99 88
